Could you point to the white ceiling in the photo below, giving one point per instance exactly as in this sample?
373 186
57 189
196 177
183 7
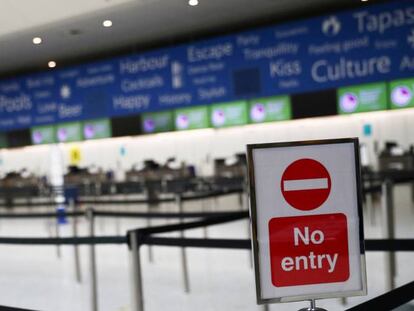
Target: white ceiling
136 24
21 15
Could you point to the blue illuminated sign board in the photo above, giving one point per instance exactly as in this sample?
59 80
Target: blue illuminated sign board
371 44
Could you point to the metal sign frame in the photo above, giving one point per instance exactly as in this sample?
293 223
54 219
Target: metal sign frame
253 217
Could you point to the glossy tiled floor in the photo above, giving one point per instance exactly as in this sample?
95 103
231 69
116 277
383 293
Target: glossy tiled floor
33 277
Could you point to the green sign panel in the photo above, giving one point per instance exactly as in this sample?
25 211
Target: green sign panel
68 132
191 118
156 122
229 114
43 135
269 109
3 141
362 98
402 94
95 129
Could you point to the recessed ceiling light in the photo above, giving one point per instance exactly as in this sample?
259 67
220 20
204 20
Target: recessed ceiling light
107 23
51 64
37 40
364 0
193 2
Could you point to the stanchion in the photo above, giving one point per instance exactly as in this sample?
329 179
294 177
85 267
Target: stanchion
137 298
78 271
58 199
389 231
57 235
96 191
112 191
204 209
150 196
266 307
371 208
92 262
186 280
245 196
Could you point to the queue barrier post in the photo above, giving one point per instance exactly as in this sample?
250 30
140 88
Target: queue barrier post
56 223
112 191
179 202
137 297
150 195
57 235
389 231
78 271
204 209
245 196
92 261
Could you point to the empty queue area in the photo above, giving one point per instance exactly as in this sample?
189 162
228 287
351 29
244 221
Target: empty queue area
212 155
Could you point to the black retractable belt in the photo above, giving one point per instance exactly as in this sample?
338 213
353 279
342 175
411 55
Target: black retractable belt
64 241
39 215
162 215
143 233
388 301
389 245
198 242
4 308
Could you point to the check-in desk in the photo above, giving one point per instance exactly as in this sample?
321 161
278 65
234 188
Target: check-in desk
88 183
16 186
230 174
401 162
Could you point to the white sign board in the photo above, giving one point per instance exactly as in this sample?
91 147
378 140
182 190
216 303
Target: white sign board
307 229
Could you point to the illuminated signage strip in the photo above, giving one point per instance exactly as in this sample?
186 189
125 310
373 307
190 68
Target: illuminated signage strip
372 44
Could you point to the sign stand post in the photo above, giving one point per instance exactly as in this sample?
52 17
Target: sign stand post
312 307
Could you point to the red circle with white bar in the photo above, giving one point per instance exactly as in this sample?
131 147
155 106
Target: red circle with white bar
306 184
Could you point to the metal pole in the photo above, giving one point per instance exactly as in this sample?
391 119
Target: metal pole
184 264
92 262
137 297
97 193
58 195
389 231
245 206
57 234
312 307
112 191
150 196
372 208
204 209
78 272
266 307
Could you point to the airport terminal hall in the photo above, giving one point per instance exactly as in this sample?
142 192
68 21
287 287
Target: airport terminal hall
210 155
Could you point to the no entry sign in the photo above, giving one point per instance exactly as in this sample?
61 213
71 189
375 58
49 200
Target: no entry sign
306 220
306 184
